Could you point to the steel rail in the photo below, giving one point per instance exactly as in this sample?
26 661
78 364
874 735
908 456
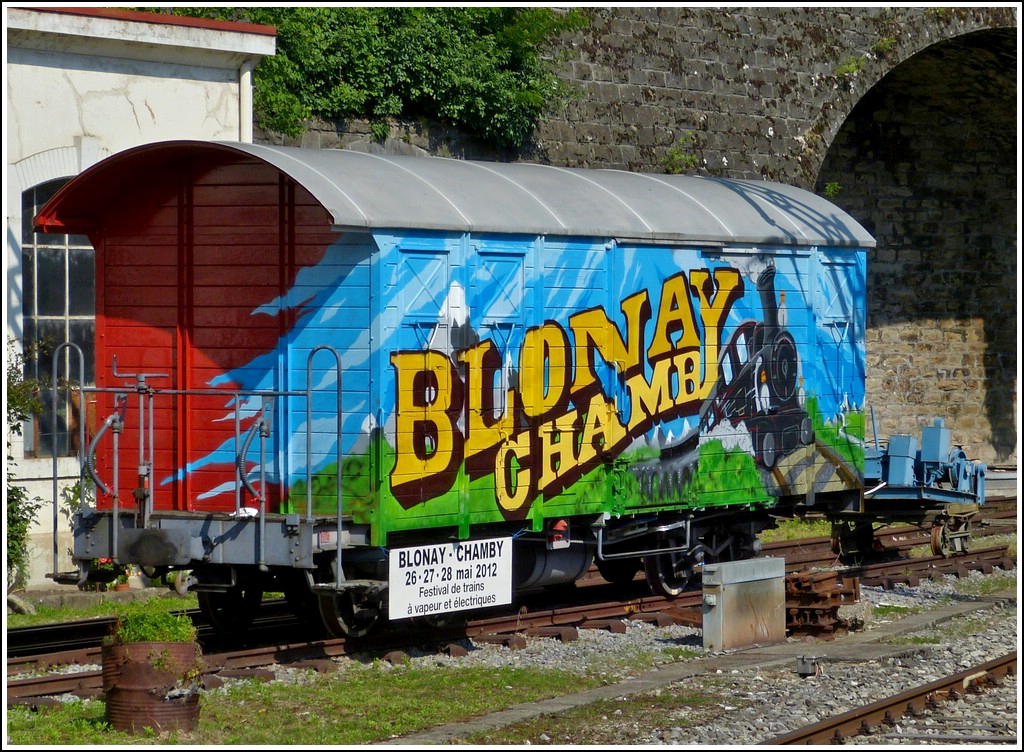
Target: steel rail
888 711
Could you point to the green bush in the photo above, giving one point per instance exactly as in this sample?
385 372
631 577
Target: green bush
22 403
137 622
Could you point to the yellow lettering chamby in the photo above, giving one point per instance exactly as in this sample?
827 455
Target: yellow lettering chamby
544 370
424 420
602 431
557 448
648 399
675 315
594 331
716 296
688 378
512 475
488 421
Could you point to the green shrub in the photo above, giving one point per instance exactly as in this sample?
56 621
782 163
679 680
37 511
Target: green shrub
22 403
478 68
136 622
681 157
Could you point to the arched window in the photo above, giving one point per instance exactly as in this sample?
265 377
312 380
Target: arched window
59 305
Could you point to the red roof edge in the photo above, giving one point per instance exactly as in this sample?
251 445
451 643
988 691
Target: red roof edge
120 14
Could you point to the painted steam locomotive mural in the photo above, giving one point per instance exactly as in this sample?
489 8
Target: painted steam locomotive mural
525 414
412 386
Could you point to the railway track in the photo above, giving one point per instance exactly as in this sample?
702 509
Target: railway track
596 605
882 719
277 637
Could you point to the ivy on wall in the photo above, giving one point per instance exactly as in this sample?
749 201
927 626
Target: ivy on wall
480 69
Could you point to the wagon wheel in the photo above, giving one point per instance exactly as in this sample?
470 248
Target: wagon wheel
850 539
839 531
231 611
940 540
618 571
448 620
302 601
668 574
350 612
961 539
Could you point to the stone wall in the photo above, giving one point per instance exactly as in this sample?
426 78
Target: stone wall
909 112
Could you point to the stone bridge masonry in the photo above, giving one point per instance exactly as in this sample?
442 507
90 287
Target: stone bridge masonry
905 117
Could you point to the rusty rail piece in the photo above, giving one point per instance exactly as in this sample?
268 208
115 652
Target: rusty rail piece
813 600
866 719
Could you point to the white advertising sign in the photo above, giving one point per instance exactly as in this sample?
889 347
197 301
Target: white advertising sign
438 579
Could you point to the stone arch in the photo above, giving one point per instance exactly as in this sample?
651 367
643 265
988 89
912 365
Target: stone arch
890 39
926 160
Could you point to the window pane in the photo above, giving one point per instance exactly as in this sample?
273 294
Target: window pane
29 341
51 239
56 284
28 211
49 334
83 334
50 282
28 282
81 286
44 426
46 191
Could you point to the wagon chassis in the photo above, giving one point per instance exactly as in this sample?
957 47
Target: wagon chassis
212 545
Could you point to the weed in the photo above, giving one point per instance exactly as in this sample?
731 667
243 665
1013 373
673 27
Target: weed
915 640
680 158
883 46
849 68
885 611
832 190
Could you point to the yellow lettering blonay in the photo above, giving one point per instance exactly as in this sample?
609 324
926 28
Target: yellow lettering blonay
674 315
424 429
543 369
482 435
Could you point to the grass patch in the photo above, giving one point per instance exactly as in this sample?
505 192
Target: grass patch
915 640
958 629
359 705
165 601
886 612
608 722
682 654
948 632
986 585
795 529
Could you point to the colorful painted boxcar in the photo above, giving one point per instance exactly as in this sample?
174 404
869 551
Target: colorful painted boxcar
411 386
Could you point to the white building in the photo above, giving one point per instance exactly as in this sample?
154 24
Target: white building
82 84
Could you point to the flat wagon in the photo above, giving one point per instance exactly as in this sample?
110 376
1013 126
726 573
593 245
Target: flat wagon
397 387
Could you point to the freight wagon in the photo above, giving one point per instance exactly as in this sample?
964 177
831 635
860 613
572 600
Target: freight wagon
397 387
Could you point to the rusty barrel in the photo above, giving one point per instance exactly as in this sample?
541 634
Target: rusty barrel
152 685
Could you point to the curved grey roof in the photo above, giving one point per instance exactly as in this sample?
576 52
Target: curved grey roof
363 190
374 190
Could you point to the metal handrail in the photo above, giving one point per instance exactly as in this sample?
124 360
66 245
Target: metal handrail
339 574
147 396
